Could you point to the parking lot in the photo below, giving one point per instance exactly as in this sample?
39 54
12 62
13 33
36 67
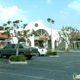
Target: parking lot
42 68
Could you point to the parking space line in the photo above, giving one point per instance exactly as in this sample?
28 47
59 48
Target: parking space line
25 75
48 69
69 66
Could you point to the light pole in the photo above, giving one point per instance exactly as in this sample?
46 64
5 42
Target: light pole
51 22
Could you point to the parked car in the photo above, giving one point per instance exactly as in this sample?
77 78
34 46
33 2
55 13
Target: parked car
42 51
10 49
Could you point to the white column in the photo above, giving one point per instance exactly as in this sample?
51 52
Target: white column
32 40
47 44
53 43
74 44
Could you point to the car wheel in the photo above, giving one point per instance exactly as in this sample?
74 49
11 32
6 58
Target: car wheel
7 56
38 53
29 57
0 55
21 53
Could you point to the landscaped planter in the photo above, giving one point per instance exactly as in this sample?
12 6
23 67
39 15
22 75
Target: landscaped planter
52 53
20 59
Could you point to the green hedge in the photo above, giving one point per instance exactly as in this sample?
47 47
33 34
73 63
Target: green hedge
49 52
17 58
62 49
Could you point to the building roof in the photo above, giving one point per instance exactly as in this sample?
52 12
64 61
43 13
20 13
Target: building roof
75 36
3 36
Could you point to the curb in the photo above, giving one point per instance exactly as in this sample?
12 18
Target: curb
54 56
17 62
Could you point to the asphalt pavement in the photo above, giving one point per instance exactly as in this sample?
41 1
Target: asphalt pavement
42 68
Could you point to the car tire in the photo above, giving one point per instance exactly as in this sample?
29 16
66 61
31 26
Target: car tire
21 53
29 57
1 55
38 53
7 56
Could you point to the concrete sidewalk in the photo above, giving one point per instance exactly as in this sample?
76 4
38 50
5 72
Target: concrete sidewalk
70 51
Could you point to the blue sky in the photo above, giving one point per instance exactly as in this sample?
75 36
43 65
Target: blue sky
63 12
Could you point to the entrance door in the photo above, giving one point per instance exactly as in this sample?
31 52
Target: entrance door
42 38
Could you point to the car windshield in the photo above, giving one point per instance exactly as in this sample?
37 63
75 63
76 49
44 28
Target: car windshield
40 47
24 45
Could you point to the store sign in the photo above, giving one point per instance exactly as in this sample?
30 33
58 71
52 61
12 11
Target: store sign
76 76
43 38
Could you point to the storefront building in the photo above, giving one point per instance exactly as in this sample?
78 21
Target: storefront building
3 40
42 36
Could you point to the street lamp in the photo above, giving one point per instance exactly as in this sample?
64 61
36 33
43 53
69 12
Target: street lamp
51 22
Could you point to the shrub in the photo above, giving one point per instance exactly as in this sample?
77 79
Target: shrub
17 58
49 52
21 58
13 58
62 49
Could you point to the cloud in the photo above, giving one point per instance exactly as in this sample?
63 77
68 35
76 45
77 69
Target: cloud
75 5
49 1
12 13
72 9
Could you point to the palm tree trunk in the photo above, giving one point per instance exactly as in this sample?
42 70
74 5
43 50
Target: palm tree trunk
17 49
